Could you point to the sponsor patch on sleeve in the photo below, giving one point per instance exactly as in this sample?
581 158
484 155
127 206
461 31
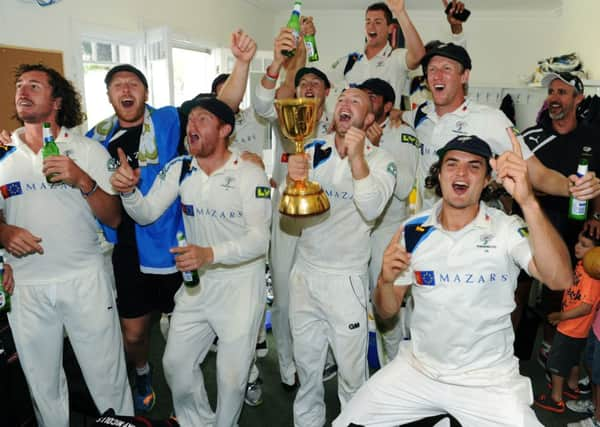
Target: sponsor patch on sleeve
392 169
263 193
523 232
410 139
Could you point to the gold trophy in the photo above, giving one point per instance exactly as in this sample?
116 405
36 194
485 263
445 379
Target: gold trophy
297 120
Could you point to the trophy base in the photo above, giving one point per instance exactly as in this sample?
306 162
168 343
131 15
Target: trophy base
303 199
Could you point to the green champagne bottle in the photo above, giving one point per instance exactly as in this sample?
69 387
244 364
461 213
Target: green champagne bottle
294 25
190 278
50 148
578 208
311 48
4 296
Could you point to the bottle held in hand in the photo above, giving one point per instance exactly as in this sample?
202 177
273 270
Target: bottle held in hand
50 148
190 278
294 25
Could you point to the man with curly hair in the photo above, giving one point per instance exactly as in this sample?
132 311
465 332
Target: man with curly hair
461 260
50 233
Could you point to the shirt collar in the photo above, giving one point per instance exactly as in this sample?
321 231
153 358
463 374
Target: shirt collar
482 220
231 164
64 135
429 109
384 52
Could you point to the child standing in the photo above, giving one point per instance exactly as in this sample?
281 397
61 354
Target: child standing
579 306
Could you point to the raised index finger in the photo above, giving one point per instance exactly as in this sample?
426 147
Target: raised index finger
516 145
397 236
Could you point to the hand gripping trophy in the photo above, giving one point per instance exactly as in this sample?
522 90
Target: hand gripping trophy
297 119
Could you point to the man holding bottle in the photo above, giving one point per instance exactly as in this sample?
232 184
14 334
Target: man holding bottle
145 273
227 212
50 233
558 141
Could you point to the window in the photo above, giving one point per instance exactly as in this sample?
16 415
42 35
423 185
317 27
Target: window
193 73
98 57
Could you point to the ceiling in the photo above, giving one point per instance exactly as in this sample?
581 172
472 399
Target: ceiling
420 5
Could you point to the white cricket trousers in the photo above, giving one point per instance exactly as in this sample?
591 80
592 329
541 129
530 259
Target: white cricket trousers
327 309
284 236
85 308
399 394
229 306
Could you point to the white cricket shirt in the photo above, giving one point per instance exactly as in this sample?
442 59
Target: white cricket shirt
58 213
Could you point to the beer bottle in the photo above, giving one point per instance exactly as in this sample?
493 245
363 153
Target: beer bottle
50 148
4 296
578 208
294 25
190 278
311 47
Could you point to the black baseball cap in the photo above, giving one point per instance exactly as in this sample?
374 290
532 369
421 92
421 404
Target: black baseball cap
125 67
210 103
469 144
447 50
568 78
311 70
379 87
217 81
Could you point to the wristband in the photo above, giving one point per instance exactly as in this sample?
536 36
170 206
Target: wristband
270 76
92 191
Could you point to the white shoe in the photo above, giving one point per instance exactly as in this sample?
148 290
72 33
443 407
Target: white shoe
253 396
587 422
583 406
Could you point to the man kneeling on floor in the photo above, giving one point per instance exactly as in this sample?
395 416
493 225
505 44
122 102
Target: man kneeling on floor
462 260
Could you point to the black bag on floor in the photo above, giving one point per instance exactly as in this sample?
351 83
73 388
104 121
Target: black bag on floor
110 419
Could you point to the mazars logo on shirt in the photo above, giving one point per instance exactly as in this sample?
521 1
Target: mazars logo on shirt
433 278
342 195
191 210
17 188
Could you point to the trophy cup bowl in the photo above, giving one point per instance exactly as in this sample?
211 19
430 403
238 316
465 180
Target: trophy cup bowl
297 120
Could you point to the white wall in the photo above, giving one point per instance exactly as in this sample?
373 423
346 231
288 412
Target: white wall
581 33
504 46
58 27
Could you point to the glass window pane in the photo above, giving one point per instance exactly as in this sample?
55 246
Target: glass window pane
104 52
193 73
86 48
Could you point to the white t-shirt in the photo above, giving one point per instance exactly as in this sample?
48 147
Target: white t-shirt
58 213
463 289
470 118
338 241
229 210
